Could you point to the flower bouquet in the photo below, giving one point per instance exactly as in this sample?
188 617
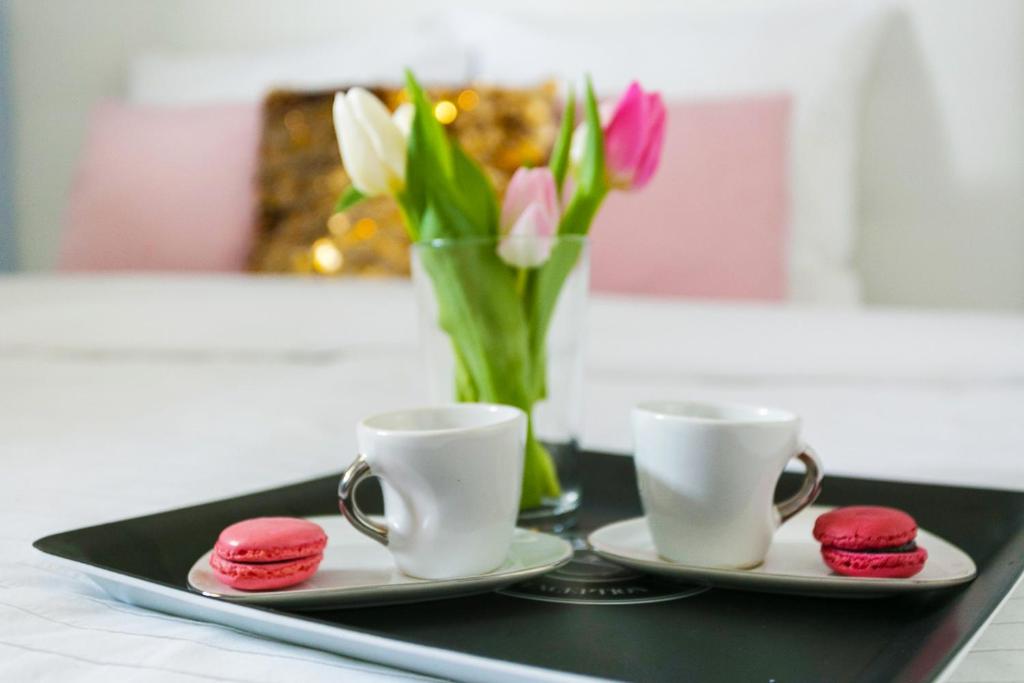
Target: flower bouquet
496 308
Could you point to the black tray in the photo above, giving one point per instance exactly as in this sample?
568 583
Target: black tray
644 630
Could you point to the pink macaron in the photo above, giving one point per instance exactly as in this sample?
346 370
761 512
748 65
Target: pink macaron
267 553
870 541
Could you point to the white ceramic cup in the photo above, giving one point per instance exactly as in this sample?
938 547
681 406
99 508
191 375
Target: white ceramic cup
451 477
707 474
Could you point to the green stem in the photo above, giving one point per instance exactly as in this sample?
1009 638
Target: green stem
522 281
540 478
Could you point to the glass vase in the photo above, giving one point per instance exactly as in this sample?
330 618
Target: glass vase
494 332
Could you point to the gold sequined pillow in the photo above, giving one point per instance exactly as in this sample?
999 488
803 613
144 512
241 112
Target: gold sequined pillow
301 176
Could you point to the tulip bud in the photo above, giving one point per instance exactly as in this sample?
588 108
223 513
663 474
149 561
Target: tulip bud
529 218
372 142
403 117
634 133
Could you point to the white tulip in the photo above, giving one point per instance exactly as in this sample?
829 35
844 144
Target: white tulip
372 141
403 118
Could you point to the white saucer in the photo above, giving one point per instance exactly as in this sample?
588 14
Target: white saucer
793 564
356 571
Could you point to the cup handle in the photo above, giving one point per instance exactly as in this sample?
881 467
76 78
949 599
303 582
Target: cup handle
350 480
809 490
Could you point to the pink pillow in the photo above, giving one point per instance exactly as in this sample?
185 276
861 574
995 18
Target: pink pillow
713 222
164 188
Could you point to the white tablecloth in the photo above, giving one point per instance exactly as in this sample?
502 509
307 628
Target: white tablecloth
124 396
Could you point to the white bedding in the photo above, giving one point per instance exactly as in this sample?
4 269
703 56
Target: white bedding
122 396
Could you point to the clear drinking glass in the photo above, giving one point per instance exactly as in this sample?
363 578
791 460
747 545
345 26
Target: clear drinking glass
475 311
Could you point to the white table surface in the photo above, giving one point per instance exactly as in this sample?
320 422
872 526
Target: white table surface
121 396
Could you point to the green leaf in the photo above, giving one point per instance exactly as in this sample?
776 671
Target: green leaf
563 144
441 177
546 283
426 123
580 213
349 198
433 145
443 218
541 301
593 179
476 195
592 184
427 152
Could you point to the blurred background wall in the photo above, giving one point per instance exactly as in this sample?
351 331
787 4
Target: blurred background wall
942 163
8 245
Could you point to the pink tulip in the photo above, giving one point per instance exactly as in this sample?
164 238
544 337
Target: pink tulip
633 138
529 218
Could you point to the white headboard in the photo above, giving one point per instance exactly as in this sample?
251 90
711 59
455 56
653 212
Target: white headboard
942 189
942 181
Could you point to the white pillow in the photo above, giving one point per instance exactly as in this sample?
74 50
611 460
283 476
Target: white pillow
213 78
821 55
